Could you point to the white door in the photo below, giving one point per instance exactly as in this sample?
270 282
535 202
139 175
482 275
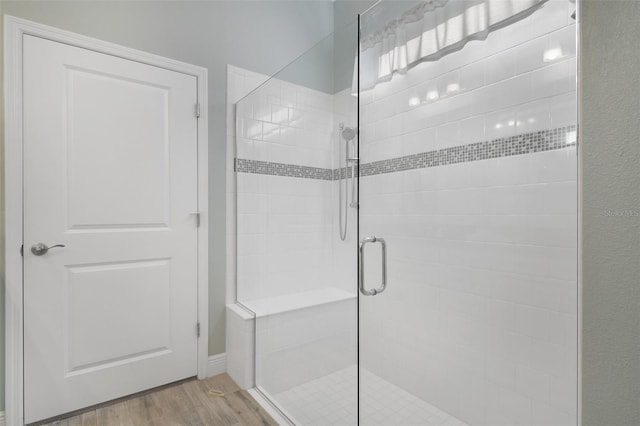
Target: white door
110 172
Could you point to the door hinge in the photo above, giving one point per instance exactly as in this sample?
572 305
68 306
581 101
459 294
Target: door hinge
198 110
22 250
198 329
197 215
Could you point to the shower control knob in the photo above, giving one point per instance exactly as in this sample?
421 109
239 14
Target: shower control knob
40 249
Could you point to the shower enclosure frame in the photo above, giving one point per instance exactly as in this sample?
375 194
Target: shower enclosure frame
579 221
578 18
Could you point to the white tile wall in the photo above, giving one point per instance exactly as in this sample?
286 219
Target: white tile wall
240 83
286 238
479 317
344 260
285 123
284 235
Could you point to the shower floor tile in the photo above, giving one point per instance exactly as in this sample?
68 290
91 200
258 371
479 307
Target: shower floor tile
331 401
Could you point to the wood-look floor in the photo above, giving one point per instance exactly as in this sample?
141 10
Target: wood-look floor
187 403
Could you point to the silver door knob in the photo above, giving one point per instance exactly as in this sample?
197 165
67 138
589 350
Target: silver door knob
40 249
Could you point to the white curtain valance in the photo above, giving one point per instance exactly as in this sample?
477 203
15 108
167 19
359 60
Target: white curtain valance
431 30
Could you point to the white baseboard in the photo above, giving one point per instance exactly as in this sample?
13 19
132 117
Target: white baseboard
1 418
217 364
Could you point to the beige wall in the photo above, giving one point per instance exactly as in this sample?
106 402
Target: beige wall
610 132
257 35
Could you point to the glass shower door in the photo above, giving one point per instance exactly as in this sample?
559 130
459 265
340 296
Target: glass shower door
467 214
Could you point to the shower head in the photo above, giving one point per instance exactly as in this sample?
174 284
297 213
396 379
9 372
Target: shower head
348 133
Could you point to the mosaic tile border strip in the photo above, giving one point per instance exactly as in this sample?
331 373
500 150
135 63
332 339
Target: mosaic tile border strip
527 143
281 169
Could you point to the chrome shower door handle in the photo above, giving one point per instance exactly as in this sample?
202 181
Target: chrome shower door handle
383 286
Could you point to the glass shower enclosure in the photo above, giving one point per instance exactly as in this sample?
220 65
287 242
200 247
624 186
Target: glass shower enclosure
296 269
407 219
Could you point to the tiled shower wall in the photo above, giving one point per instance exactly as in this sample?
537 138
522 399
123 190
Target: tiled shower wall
479 317
287 205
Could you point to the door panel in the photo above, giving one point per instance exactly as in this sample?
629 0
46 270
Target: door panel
140 189
99 336
110 149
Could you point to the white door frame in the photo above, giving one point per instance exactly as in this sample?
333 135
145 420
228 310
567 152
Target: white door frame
14 30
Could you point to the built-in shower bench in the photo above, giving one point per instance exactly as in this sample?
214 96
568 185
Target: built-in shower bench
314 330
293 302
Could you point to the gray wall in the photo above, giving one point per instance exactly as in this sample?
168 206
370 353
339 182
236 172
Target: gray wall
328 65
610 132
314 69
345 18
262 36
